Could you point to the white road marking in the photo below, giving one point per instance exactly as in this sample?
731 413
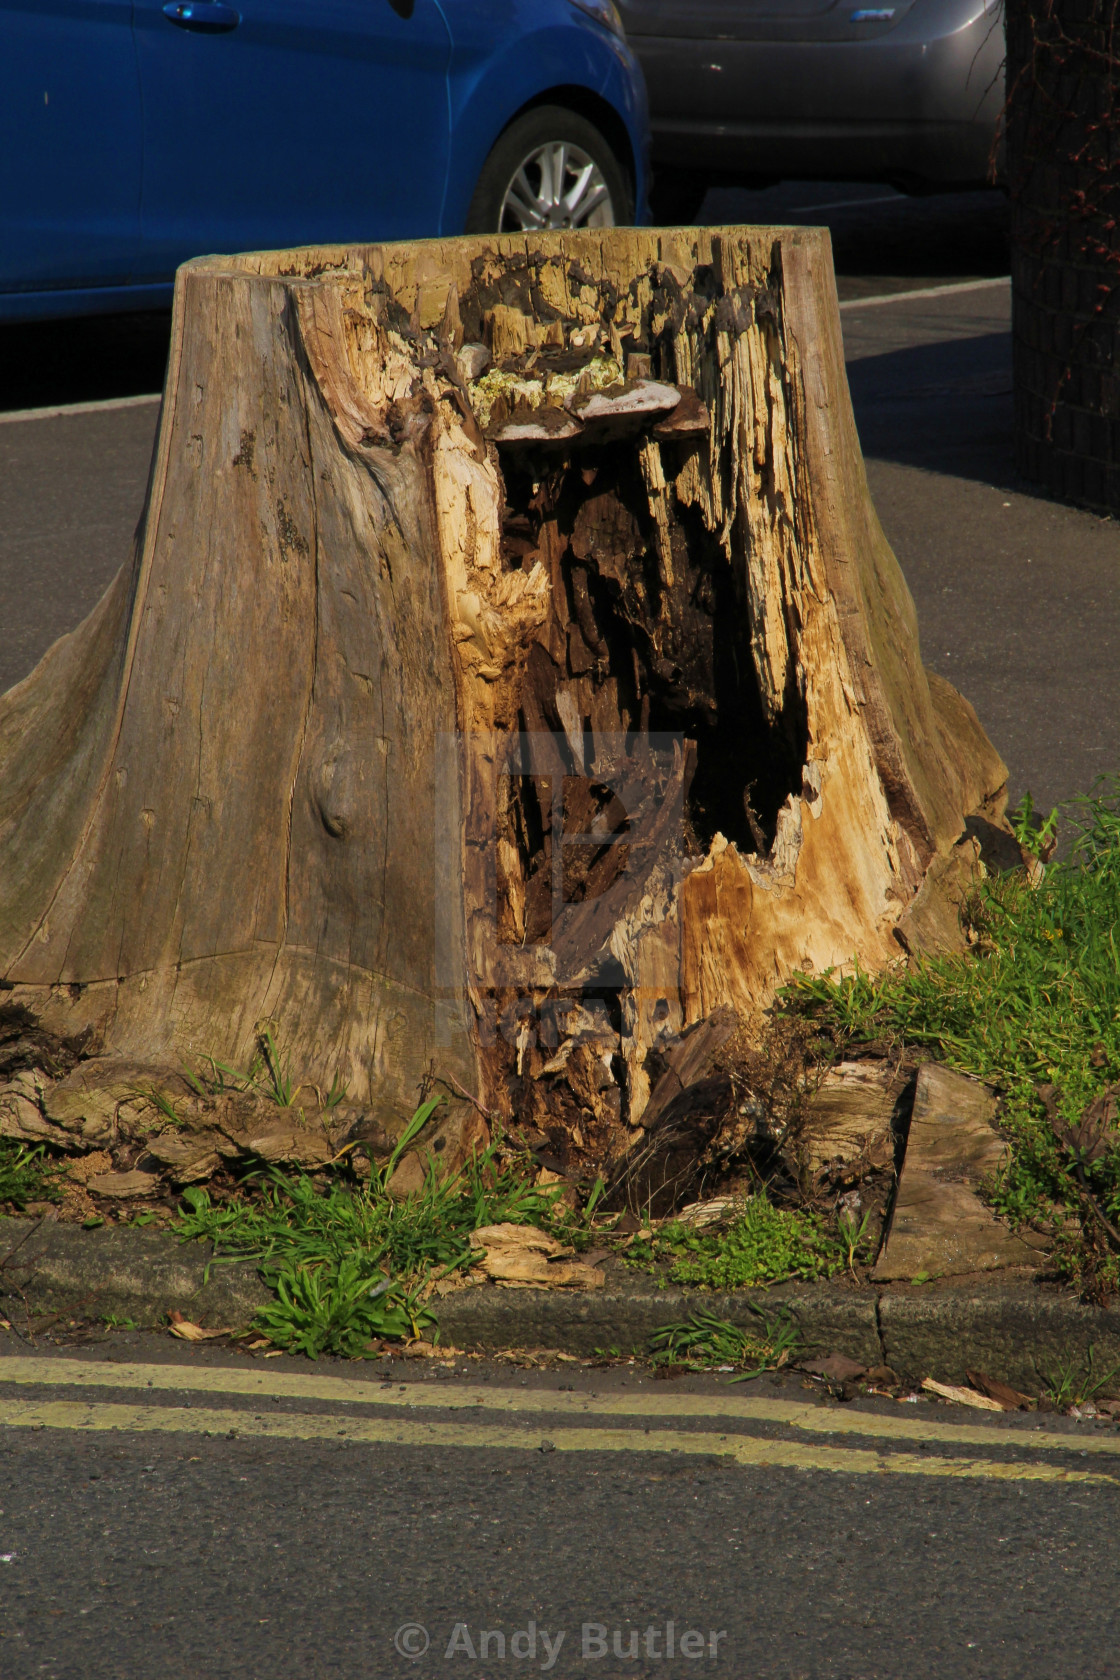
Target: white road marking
59 410
849 203
926 292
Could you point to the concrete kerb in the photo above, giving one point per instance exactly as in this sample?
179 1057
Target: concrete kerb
1017 1330
115 1274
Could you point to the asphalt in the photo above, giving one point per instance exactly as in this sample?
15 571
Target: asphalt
182 1530
71 492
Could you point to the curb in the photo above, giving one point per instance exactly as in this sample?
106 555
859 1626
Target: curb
50 1268
1018 1331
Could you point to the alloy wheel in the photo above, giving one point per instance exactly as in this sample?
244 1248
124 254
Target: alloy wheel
557 186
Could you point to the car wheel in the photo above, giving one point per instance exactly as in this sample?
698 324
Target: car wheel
550 169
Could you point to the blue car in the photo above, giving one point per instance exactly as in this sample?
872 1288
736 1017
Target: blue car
135 134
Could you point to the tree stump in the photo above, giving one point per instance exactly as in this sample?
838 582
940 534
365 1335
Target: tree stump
511 674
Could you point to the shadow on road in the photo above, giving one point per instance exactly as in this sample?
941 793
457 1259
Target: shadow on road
44 364
882 241
943 407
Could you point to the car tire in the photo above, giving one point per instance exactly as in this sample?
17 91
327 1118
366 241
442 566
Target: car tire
516 191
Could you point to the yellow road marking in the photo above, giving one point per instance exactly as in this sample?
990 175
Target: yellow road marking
452 1396
745 1450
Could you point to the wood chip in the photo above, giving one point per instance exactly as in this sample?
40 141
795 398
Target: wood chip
520 1256
125 1186
962 1396
701 1214
188 1332
1009 1398
837 1367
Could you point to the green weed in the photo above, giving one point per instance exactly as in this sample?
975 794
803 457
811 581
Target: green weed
336 1309
763 1244
703 1340
1035 1003
350 1263
1033 834
854 1235
26 1175
1073 1385
161 1102
278 1078
336 1093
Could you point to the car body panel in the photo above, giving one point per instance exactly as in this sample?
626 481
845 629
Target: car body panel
487 88
69 214
224 172
909 91
301 122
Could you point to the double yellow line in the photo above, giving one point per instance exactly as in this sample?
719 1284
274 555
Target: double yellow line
502 1419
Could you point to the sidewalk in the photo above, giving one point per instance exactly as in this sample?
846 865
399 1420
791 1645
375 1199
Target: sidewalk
1018 598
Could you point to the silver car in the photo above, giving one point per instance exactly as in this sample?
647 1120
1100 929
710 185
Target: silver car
754 91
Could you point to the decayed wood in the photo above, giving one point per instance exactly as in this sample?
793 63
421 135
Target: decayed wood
411 508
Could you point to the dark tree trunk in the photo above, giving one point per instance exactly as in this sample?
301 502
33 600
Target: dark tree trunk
1063 167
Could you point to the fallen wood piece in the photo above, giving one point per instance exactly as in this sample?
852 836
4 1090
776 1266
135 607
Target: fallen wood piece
837 1367
189 1332
124 1186
1009 1398
848 1120
715 1211
521 1256
939 1226
962 1396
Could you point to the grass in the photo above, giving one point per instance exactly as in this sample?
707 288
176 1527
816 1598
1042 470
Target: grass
1073 1385
762 1244
350 1263
703 1340
26 1175
1033 1008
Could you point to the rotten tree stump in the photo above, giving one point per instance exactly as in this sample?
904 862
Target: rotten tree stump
511 673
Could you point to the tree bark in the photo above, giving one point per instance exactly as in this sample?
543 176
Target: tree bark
453 552
1063 129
